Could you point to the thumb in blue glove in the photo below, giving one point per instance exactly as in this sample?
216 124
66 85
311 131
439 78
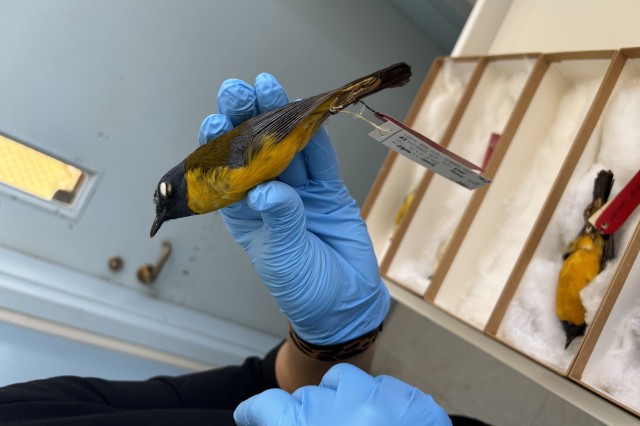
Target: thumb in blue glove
346 396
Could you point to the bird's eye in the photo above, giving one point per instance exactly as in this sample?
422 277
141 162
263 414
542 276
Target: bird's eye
169 190
163 189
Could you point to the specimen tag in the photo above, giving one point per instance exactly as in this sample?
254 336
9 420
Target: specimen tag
422 150
613 214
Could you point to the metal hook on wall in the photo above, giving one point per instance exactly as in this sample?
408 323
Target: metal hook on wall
148 273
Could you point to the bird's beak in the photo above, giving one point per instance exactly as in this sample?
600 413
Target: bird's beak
157 224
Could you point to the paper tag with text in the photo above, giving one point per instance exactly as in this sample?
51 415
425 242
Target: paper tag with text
613 214
422 150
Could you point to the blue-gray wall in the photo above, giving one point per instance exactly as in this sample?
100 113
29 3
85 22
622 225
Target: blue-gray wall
121 86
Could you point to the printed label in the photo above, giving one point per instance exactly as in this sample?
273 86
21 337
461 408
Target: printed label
427 153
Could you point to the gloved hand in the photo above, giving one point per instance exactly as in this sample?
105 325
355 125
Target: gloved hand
346 396
303 233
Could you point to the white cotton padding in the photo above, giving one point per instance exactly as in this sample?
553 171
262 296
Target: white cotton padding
619 371
440 110
504 93
523 206
619 152
531 324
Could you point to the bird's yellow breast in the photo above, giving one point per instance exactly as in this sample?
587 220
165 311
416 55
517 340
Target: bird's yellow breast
582 266
213 189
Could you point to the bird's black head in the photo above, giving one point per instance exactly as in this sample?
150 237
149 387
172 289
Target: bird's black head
170 198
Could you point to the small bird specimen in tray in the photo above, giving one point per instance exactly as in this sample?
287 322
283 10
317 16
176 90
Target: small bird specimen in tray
222 171
584 258
408 199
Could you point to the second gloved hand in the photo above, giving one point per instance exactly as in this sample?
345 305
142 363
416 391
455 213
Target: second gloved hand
347 396
304 233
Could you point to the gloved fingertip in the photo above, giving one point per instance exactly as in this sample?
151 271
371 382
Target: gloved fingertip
273 195
212 127
239 211
237 100
269 92
345 372
295 174
331 378
322 161
267 408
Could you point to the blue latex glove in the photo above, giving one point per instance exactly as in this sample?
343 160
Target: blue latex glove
346 396
303 233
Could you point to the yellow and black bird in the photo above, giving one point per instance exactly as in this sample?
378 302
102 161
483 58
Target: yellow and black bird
584 258
222 171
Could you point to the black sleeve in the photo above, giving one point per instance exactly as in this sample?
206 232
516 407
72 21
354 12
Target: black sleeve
208 397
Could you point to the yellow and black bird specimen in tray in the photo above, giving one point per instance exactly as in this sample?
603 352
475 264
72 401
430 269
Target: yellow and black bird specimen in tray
585 257
222 171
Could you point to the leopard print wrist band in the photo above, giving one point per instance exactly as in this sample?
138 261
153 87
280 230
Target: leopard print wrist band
337 352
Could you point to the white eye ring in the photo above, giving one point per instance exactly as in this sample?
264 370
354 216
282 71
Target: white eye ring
163 189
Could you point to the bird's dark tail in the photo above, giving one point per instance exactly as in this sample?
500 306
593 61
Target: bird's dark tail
393 76
602 188
601 191
572 331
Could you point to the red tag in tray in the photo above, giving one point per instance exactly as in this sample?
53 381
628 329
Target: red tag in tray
613 214
493 142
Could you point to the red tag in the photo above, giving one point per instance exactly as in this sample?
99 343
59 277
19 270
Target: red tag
493 142
613 214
